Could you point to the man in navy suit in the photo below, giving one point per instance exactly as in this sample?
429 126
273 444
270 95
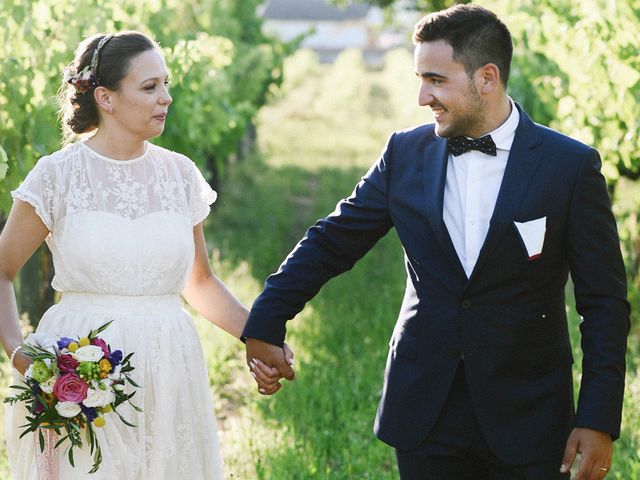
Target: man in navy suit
493 212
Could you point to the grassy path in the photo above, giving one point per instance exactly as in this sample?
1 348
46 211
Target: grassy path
319 426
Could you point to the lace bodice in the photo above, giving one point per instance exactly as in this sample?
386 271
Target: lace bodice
118 227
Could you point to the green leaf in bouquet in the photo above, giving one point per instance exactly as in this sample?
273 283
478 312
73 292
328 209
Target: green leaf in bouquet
54 426
131 381
71 456
41 440
31 428
37 353
20 387
74 428
94 448
126 360
91 438
59 442
25 396
97 459
94 333
123 419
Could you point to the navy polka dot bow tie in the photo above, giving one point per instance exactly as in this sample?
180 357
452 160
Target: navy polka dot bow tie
460 145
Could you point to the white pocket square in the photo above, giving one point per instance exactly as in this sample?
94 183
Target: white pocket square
532 235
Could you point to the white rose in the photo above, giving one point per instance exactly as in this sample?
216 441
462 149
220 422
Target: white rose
90 353
47 386
68 409
99 398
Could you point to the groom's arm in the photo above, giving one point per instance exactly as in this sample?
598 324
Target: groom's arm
598 274
330 247
599 279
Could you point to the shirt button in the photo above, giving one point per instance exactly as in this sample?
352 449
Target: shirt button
466 303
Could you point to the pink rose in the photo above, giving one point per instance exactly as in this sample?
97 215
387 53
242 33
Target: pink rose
66 363
70 388
98 342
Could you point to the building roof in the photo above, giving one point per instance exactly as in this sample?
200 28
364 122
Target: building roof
312 10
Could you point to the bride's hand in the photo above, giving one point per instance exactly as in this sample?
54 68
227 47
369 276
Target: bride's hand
288 354
268 378
21 362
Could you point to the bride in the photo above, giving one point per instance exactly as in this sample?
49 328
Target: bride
123 220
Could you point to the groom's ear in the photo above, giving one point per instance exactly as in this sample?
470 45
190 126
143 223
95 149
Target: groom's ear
488 78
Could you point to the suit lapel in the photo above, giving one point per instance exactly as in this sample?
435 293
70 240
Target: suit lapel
521 166
435 172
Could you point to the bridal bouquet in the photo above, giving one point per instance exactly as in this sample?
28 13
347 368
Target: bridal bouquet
70 386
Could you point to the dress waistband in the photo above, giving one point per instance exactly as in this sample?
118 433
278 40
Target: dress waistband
125 304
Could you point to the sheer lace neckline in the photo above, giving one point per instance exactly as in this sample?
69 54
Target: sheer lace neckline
93 153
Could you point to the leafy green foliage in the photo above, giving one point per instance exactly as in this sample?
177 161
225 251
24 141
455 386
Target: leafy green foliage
577 67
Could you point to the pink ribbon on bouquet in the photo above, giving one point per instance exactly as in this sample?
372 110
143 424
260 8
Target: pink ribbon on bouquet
48 460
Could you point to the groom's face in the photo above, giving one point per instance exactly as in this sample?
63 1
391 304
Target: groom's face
447 89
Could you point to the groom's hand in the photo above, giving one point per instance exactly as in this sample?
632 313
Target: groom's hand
268 364
595 449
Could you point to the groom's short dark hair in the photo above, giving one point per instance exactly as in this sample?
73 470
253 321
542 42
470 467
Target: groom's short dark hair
476 35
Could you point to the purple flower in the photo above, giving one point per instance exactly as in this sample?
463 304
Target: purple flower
64 342
38 407
89 412
115 358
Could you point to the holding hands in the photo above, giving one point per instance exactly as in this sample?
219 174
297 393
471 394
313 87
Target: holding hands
268 364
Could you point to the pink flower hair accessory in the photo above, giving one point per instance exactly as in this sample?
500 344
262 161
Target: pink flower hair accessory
86 79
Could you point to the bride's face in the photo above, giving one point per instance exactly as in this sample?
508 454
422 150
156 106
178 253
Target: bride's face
141 104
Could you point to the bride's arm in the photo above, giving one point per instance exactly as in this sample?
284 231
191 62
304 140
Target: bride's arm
23 233
208 295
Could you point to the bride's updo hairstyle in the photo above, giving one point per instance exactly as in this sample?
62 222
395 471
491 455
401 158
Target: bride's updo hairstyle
100 60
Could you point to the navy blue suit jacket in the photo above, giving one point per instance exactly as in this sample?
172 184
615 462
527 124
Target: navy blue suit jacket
508 320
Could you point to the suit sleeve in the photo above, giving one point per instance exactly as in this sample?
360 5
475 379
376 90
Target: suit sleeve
598 274
330 247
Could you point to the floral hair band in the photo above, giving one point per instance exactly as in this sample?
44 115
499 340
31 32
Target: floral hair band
86 79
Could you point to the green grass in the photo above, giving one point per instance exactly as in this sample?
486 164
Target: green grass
315 148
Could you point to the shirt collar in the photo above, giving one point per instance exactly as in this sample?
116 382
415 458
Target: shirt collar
503 135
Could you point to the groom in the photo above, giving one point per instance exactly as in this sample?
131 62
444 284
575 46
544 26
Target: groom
493 212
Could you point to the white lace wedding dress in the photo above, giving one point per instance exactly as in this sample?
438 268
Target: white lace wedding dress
122 245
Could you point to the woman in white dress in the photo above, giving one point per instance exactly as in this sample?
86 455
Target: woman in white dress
122 218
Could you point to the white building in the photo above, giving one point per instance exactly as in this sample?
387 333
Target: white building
332 29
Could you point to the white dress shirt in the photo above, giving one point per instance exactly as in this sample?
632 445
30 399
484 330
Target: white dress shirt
471 190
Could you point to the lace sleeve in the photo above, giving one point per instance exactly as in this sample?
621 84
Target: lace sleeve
39 190
201 196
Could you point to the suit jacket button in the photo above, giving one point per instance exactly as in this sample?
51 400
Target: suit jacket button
454 353
466 303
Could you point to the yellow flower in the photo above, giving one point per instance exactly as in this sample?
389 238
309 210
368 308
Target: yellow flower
84 341
106 409
98 422
73 346
105 365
